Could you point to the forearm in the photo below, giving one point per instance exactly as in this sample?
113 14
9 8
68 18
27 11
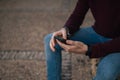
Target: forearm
103 49
77 16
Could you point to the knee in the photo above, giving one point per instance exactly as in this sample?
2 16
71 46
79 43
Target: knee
47 38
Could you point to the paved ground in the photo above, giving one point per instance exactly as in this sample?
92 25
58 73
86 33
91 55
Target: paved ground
23 25
29 65
22 70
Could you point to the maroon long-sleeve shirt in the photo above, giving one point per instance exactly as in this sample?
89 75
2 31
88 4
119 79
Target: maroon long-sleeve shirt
107 23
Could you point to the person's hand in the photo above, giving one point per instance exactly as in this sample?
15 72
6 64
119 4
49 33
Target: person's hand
74 46
61 33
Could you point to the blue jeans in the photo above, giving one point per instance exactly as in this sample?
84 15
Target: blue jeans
108 68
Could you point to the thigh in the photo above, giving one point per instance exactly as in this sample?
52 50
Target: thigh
109 66
112 60
88 36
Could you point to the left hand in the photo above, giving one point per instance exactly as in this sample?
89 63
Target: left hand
74 46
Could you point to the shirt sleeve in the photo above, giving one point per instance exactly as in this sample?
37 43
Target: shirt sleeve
103 49
77 16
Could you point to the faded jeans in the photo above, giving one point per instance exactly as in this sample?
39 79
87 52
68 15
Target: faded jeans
108 67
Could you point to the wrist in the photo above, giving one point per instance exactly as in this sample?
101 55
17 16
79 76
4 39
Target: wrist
67 32
88 53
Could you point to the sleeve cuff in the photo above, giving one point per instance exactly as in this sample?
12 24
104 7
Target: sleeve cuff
68 32
88 53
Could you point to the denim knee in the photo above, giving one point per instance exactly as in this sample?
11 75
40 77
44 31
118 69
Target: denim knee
47 38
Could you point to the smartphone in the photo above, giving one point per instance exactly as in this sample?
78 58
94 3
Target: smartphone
60 39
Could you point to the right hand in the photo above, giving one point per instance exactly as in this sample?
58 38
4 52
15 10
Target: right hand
61 33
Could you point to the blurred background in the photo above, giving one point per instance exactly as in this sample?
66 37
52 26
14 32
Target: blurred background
23 25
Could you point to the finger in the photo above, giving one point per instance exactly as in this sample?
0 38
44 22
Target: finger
58 33
53 41
64 35
64 46
67 48
71 49
52 47
74 44
70 42
78 43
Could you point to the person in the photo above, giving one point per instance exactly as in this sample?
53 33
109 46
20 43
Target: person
100 40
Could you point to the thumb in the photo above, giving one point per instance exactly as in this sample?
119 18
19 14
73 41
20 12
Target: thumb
64 35
70 42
